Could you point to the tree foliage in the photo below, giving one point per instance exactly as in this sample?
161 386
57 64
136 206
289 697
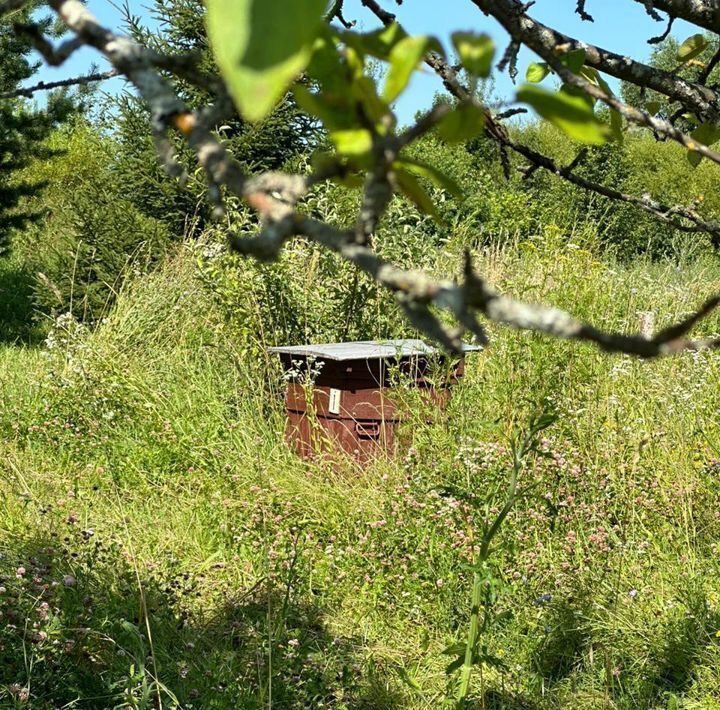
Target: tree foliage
23 127
186 207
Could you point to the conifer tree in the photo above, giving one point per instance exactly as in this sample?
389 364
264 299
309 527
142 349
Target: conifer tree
23 126
284 135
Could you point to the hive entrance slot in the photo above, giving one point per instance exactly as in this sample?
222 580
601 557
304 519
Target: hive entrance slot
367 430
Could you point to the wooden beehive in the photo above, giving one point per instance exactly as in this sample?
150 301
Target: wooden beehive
347 407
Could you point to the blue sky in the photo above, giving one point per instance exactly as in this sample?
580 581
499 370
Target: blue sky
620 25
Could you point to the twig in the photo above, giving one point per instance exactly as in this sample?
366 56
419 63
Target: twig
580 10
28 91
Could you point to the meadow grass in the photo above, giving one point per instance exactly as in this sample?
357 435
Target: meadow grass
160 545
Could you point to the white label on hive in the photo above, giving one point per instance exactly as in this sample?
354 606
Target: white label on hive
334 405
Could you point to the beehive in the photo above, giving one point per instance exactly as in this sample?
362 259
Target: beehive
348 407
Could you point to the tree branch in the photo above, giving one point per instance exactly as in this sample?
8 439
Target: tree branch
697 12
28 91
580 10
663 212
544 41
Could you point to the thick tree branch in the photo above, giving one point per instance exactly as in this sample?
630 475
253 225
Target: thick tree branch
697 12
544 41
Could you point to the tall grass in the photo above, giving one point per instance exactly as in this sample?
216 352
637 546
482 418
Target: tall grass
160 544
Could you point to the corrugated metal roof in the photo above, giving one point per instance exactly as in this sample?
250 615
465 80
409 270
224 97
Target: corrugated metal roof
364 350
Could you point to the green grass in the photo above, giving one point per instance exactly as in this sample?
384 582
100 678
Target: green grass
159 543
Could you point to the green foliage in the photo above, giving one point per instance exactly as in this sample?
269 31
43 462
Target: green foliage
90 236
537 71
571 113
266 145
476 52
17 322
404 59
144 460
637 166
23 126
692 47
462 125
260 48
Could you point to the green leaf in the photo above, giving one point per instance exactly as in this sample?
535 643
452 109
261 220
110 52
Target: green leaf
652 107
476 52
574 60
354 143
454 649
591 74
336 112
261 46
691 47
365 91
536 72
707 134
416 193
429 172
462 124
452 667
326 65
543 422
571 114
378 43
404 59
694 158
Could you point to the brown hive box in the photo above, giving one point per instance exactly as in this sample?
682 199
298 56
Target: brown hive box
347 407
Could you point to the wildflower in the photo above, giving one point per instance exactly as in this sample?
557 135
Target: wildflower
293 643
69 580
